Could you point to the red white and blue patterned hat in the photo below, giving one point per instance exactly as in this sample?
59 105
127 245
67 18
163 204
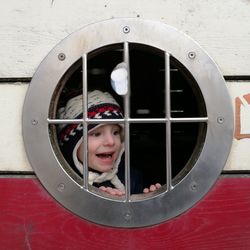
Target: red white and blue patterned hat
101 105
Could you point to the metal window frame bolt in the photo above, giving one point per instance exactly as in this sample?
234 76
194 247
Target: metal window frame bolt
61 56
192 55
220 120
126 29
34 122
61 187
127 216
193 186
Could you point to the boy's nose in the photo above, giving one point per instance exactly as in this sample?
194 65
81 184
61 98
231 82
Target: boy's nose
109 139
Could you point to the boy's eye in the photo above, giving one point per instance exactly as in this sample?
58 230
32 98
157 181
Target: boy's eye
117 132
95 134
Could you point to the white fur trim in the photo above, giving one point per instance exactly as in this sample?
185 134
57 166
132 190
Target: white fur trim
78 164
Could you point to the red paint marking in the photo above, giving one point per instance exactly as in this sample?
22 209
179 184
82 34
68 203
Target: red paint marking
31 219
238 103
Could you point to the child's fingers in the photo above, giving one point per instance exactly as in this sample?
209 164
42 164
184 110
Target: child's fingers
152 188
112 191
102 188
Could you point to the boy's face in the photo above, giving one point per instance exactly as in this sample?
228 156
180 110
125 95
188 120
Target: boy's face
104 145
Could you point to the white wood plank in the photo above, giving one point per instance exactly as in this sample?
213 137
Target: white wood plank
30 29
239 158
12 153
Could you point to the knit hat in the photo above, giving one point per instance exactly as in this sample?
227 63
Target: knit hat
101 105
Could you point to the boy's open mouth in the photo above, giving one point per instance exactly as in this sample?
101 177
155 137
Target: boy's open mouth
105 155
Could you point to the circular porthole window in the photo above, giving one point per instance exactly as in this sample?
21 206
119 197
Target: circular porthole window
174 118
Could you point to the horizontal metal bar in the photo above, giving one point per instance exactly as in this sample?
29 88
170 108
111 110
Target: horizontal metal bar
189 119
130 120
93 121
64 121
90 121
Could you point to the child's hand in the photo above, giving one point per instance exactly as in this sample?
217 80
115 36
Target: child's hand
112 191
152 188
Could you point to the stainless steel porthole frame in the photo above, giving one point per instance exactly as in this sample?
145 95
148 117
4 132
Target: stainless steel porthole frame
155 208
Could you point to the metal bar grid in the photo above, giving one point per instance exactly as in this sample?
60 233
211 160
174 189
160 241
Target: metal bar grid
127 121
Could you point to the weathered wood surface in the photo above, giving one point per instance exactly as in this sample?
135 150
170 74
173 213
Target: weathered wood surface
12 153
30 29
239 158
31 219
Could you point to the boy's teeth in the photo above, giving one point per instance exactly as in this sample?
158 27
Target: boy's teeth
104 155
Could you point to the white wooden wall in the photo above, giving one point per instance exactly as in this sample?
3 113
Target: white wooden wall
29 29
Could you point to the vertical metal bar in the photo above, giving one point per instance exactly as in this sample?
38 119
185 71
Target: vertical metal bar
85 124
126 124
168 124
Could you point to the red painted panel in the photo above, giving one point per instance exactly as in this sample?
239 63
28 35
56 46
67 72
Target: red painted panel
31 219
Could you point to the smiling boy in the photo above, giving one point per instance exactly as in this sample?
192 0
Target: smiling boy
105 142
104 145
